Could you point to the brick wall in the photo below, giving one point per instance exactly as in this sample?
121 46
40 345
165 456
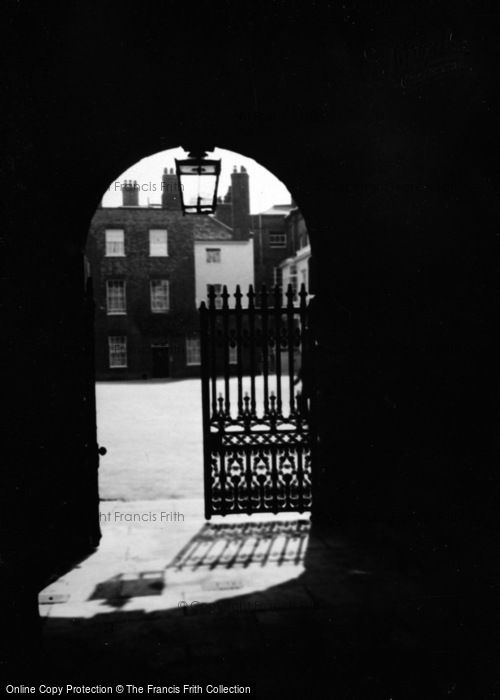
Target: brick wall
140 325
240 199
266 256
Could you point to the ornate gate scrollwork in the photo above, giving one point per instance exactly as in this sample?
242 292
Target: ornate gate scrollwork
257 451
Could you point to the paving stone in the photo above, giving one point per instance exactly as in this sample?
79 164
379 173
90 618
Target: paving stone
179 598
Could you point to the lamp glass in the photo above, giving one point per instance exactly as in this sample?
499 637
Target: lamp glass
198 181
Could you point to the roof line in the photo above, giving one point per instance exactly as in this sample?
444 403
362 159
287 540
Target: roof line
222 240
229 228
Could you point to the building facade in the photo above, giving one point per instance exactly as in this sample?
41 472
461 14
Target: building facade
151 267
272 243
296 269
223 262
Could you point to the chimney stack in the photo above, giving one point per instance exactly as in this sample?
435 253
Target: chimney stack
240 199
170 195
224 210
130 193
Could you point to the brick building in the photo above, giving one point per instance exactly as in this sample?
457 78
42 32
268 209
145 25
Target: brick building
296 269
144 271
272 242
282 250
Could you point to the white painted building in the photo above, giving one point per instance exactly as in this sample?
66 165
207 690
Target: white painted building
295 270
220 262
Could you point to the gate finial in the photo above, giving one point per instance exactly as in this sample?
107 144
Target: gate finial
303 295
251 297
211 297
238 295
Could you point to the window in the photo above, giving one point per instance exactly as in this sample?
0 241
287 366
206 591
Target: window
277 239
115 297
115 242
304 240
117 351
193 354
213 255
233 355
158 242
218 292
160 297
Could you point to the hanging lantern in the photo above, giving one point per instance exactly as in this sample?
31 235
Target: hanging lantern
198 179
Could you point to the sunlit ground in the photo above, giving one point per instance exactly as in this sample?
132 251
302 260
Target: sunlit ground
157 551
153 433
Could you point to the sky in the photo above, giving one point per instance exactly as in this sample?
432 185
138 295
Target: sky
265 188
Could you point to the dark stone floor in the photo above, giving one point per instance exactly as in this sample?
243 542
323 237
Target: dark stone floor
368 612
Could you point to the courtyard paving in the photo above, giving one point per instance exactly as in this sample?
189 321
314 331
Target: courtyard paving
271 600
268 600
152 431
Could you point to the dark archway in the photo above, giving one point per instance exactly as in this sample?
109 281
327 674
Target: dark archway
399 193
259 231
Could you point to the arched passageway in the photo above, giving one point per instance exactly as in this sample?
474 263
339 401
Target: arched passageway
150 268
398 191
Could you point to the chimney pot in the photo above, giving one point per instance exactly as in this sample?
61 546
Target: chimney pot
130 193
170 196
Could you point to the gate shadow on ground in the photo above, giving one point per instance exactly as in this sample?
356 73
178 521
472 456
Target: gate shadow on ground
217 546
228 545
354 619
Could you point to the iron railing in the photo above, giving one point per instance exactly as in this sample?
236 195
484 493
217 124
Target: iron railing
257 451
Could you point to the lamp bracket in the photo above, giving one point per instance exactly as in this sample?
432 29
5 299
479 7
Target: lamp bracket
199 152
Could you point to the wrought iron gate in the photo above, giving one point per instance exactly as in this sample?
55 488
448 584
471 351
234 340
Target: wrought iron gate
257 447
